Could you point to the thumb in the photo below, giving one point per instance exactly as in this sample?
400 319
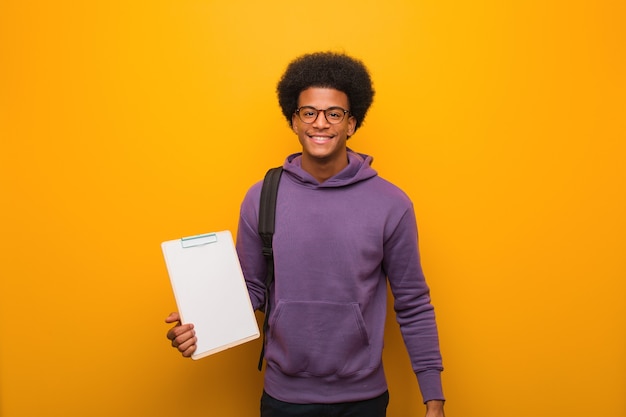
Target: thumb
173 317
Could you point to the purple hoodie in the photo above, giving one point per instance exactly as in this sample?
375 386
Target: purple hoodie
334 246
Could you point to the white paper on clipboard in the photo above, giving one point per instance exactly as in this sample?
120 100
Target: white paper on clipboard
210 291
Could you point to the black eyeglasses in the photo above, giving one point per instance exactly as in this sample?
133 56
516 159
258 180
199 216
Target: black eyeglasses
334 115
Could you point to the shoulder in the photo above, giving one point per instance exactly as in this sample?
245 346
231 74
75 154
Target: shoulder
254 190
250 203
386 189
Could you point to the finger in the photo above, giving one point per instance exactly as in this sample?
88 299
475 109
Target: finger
188 347
179 339
189 351
173 317
179 330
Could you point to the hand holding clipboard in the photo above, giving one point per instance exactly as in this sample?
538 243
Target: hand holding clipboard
210 293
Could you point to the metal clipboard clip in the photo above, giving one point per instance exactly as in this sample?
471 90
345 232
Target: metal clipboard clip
198 240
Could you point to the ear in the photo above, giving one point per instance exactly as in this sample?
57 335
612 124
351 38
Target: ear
294 125
351 126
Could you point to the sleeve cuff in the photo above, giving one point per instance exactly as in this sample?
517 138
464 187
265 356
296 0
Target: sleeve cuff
430 385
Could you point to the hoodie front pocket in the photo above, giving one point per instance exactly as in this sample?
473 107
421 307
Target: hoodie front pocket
318 339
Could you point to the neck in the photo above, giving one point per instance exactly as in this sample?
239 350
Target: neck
322 169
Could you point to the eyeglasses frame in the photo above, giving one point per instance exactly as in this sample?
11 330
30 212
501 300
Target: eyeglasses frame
297 111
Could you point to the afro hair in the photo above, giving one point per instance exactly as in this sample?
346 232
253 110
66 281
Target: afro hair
326 70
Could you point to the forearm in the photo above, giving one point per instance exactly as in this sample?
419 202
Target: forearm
434 408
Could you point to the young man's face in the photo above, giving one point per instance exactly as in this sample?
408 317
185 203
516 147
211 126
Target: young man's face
322 141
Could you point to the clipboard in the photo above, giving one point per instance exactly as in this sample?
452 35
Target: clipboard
210 291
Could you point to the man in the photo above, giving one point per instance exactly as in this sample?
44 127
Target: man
341 232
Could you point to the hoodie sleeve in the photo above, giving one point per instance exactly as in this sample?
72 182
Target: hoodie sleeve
249 247
414 312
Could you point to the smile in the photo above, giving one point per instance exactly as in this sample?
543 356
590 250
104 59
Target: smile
320 139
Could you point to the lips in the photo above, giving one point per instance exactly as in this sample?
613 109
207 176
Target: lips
320 138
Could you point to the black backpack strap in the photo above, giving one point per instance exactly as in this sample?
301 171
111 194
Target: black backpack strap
267 217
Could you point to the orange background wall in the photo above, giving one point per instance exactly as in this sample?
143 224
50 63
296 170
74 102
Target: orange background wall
126 123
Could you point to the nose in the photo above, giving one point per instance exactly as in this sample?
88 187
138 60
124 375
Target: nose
320 121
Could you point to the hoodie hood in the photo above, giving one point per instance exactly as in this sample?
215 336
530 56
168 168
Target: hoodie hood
359 169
